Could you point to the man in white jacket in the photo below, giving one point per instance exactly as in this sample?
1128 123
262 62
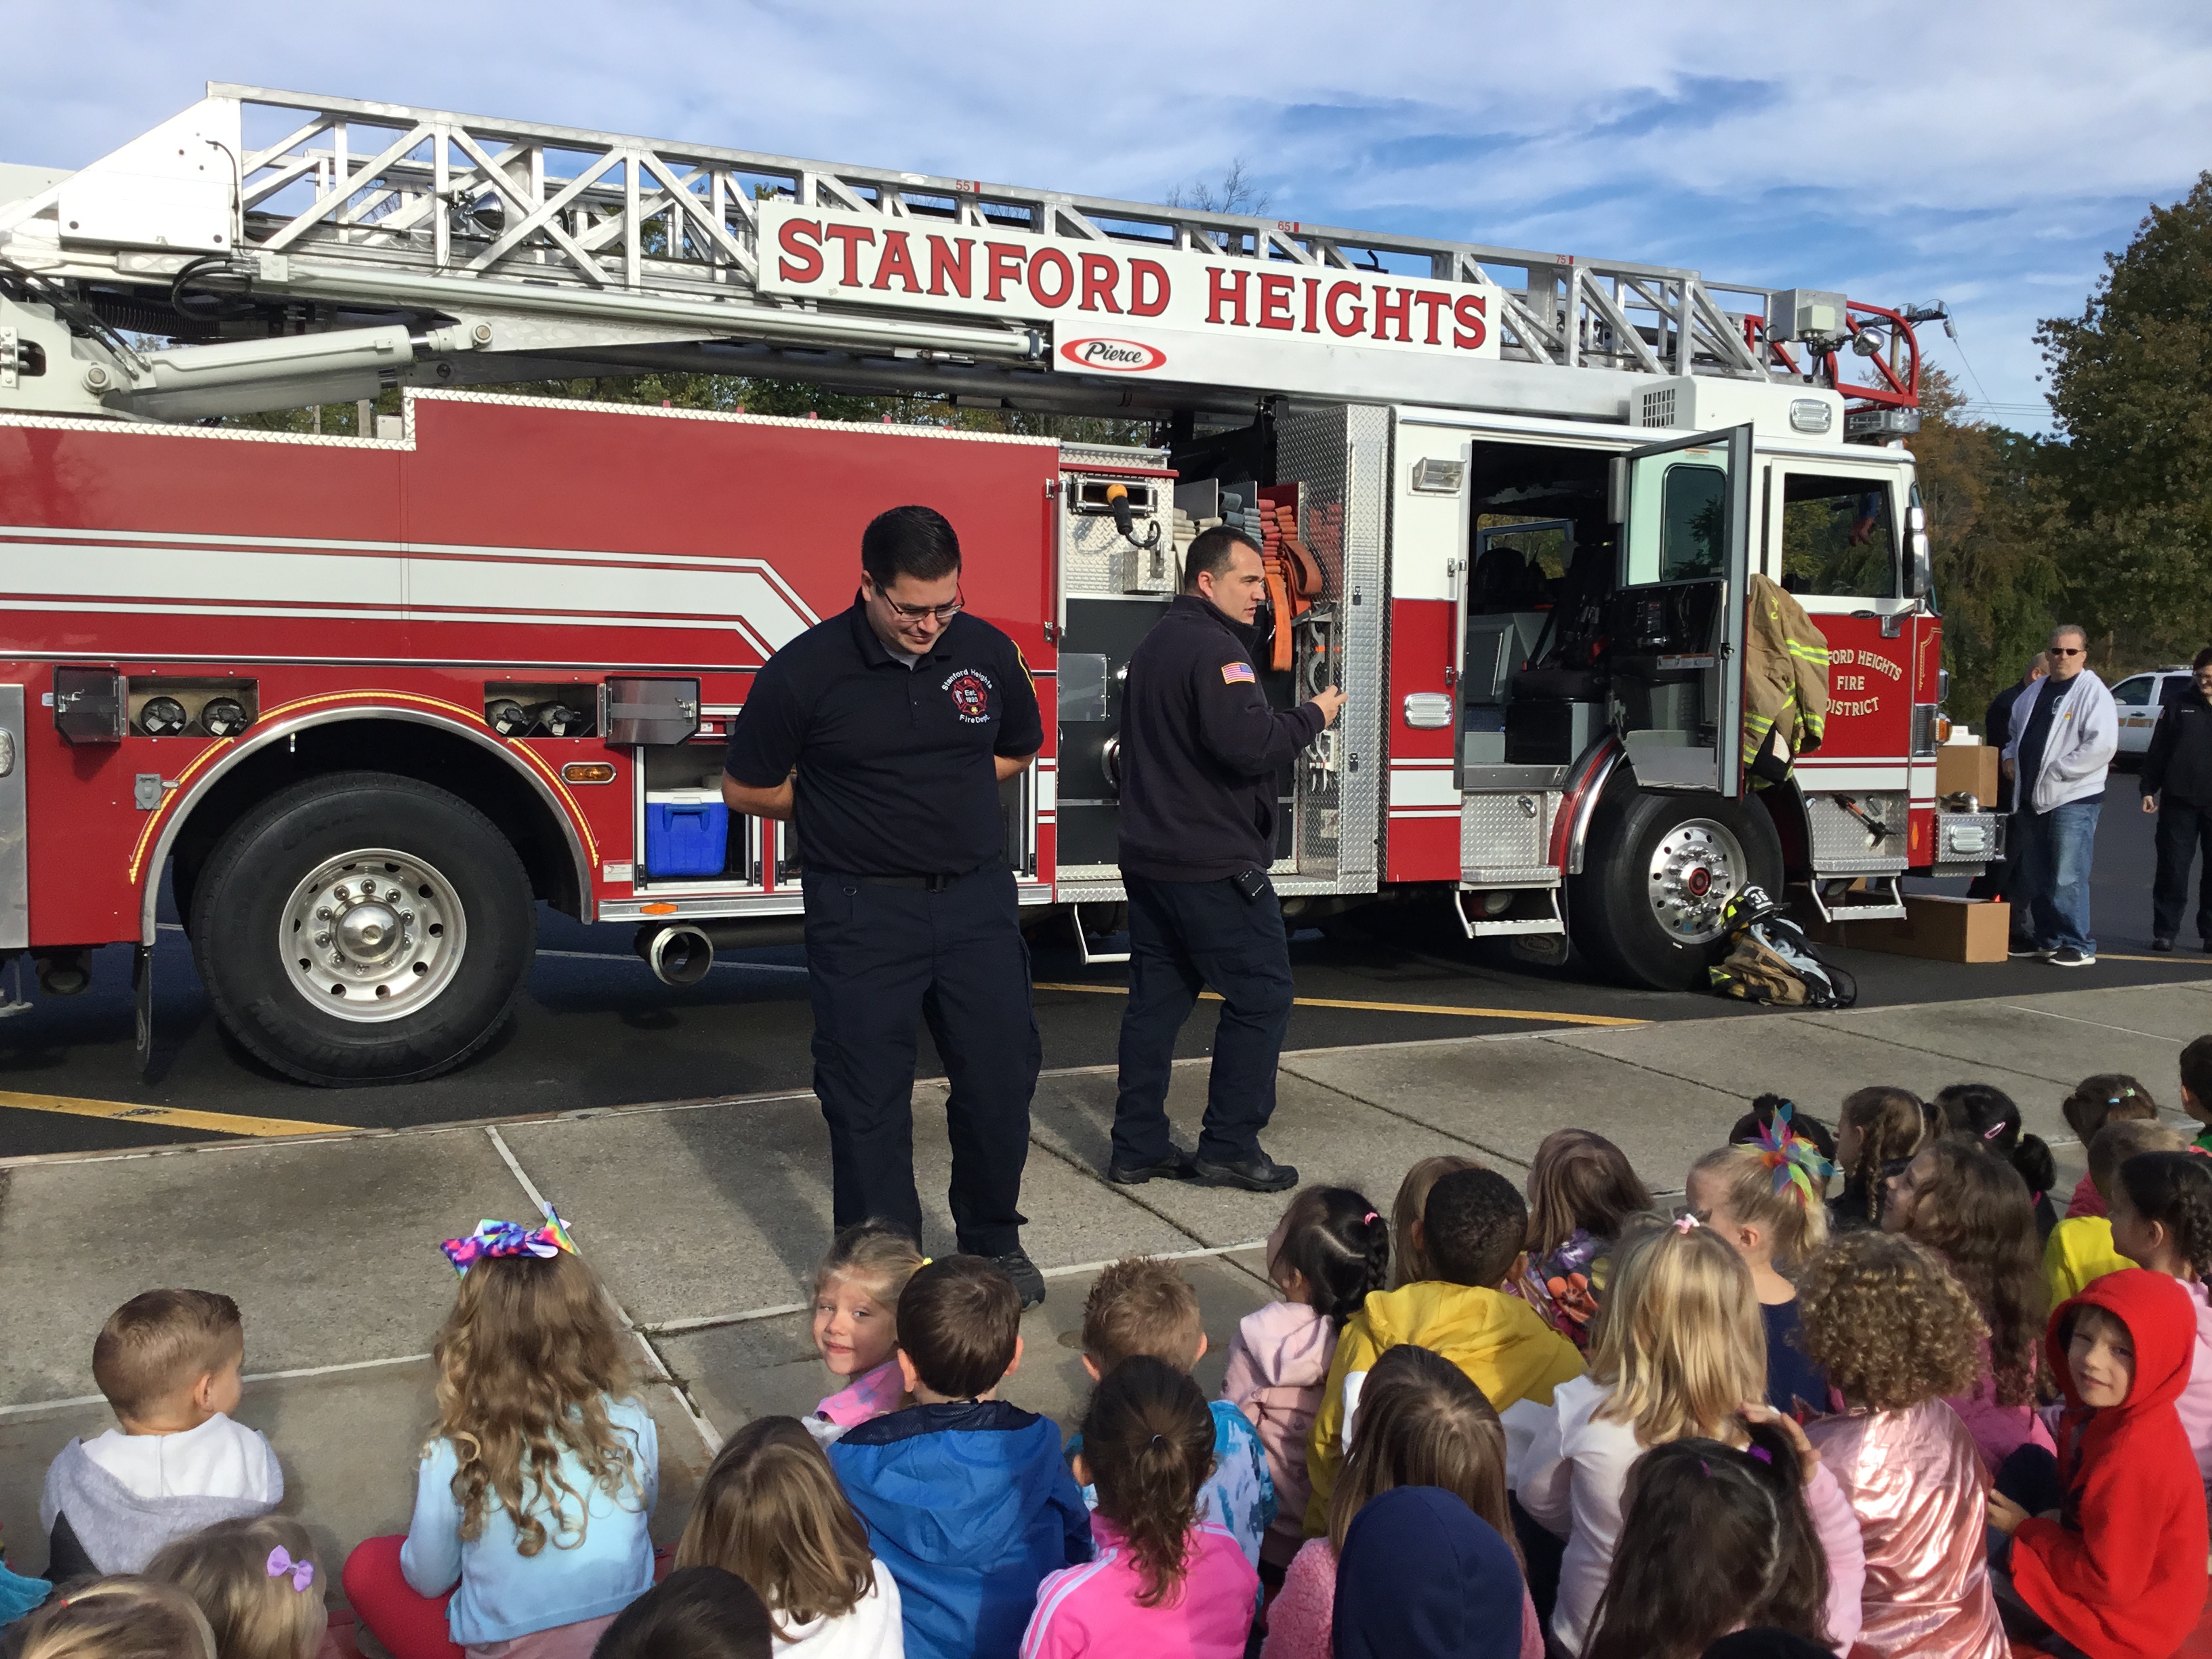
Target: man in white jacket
2064 733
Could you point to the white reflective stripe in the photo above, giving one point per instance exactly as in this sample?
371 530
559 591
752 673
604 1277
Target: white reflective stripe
1077 1577
1353 1382
1425 787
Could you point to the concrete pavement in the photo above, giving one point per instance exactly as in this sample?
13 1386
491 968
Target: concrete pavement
705 1218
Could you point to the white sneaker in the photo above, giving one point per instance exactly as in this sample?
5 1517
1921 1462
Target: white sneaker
2067 956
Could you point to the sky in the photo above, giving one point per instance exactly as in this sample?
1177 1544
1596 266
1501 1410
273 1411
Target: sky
1984 155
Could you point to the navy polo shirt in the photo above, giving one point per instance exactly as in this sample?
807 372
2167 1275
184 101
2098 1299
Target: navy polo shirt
896 773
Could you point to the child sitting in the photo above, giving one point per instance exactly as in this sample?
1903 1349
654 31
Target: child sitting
1734 1192
1409 1258
2096 1102
2080 1248
1329 1250
1473 1227
1896 1333
1972 1208
529 1531
770 1511
856 1292
1424 1574
1138 1305
1756 1127
1166 1579
168 1362
1985 1113
114 1618
1682 1353
1713 1539
1421 1424
2119 1569
965 1498
2197 1089
1582 1192
256 1581
696 1613
2161 1219
1877 1132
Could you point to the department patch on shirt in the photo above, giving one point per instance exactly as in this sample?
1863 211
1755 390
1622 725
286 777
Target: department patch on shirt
1234 673
970 692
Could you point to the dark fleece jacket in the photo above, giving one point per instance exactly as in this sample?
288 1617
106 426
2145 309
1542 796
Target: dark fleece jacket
2121 1573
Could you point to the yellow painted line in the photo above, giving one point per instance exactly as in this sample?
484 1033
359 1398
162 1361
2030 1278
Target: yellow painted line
2176 960
1393 1008
169 1117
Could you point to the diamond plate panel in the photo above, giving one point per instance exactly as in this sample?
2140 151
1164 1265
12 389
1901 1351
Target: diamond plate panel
1500 838
1842 846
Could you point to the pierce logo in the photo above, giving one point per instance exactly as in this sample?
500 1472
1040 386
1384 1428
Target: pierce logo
1121 356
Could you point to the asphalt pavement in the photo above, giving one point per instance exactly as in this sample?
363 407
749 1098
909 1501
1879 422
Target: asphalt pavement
594 1030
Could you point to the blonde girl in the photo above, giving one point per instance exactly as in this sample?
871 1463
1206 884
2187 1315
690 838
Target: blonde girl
118 1618
1410 1262
1775 1228
258 1582
531 1499
1681 1353
856 1292
771 1511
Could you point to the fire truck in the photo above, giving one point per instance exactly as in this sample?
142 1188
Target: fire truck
367 698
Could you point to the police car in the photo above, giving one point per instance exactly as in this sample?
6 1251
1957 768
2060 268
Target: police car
2140 697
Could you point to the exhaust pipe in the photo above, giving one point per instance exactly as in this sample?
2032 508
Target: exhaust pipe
679 956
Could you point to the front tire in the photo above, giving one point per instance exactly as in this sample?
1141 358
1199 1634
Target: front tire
1660 868
363 927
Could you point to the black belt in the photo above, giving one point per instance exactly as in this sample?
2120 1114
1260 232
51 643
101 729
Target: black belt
921 884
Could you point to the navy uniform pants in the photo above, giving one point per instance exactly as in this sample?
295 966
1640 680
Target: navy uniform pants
1183 936
882 959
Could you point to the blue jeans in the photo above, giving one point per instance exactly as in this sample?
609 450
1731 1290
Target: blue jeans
2051 890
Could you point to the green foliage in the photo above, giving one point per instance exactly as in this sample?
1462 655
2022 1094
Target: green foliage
2131 386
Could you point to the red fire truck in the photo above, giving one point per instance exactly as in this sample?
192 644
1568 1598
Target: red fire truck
367 698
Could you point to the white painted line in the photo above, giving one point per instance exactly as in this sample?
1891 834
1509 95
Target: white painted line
2075 1019
515 1168
36 1406
1073 1268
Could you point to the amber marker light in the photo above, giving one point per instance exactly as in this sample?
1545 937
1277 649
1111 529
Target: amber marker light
588 772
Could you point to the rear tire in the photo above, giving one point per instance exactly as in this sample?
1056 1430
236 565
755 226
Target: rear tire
363 927
1659 868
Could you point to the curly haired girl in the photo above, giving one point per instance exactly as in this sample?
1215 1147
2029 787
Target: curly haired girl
1877 1132
1972 1208
532 1499
2107 1098
1329 1251
1420 1423
1896 1334
2161 1216
1163 1581
1681 1352
1582 1192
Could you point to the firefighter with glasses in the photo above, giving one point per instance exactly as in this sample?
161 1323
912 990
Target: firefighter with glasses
885 732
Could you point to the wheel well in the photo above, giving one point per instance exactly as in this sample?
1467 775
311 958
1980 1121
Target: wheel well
425 753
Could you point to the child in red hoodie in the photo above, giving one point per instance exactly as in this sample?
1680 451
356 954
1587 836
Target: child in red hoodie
2118 1572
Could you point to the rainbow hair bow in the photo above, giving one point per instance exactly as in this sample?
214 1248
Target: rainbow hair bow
1792 1156
498 1238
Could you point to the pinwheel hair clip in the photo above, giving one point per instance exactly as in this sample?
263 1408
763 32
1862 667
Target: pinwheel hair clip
1796 1161
493 1238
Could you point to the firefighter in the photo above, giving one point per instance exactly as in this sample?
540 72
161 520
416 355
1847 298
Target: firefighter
1200 752
886 732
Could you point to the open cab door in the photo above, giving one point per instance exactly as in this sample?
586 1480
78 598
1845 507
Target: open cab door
1676 621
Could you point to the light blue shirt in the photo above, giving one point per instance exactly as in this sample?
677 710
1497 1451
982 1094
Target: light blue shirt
1239 1496
587 1570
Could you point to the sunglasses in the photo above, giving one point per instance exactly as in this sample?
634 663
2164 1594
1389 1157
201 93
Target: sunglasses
2068 651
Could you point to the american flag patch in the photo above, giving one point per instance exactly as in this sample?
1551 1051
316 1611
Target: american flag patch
1233 673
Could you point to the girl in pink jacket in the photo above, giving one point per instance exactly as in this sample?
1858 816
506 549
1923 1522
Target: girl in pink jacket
1163 1583
1329 1251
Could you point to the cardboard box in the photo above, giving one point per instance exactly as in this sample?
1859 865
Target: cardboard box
1971 767
1939 929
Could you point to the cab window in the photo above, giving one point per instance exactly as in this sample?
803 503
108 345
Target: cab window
1838 537
2134 693
1693 515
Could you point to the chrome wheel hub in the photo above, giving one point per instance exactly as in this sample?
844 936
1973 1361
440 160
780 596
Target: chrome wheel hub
1697 868
373 935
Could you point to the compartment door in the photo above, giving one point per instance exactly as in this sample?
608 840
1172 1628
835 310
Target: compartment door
1684 510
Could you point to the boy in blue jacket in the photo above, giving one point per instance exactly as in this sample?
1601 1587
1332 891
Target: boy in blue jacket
965 1498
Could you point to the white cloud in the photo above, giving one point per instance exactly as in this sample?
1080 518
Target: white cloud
1986 151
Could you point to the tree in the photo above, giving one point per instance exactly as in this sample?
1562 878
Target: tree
1236 193
2131 386
1988 530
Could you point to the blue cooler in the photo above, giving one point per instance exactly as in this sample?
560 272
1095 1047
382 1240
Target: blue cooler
687 832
